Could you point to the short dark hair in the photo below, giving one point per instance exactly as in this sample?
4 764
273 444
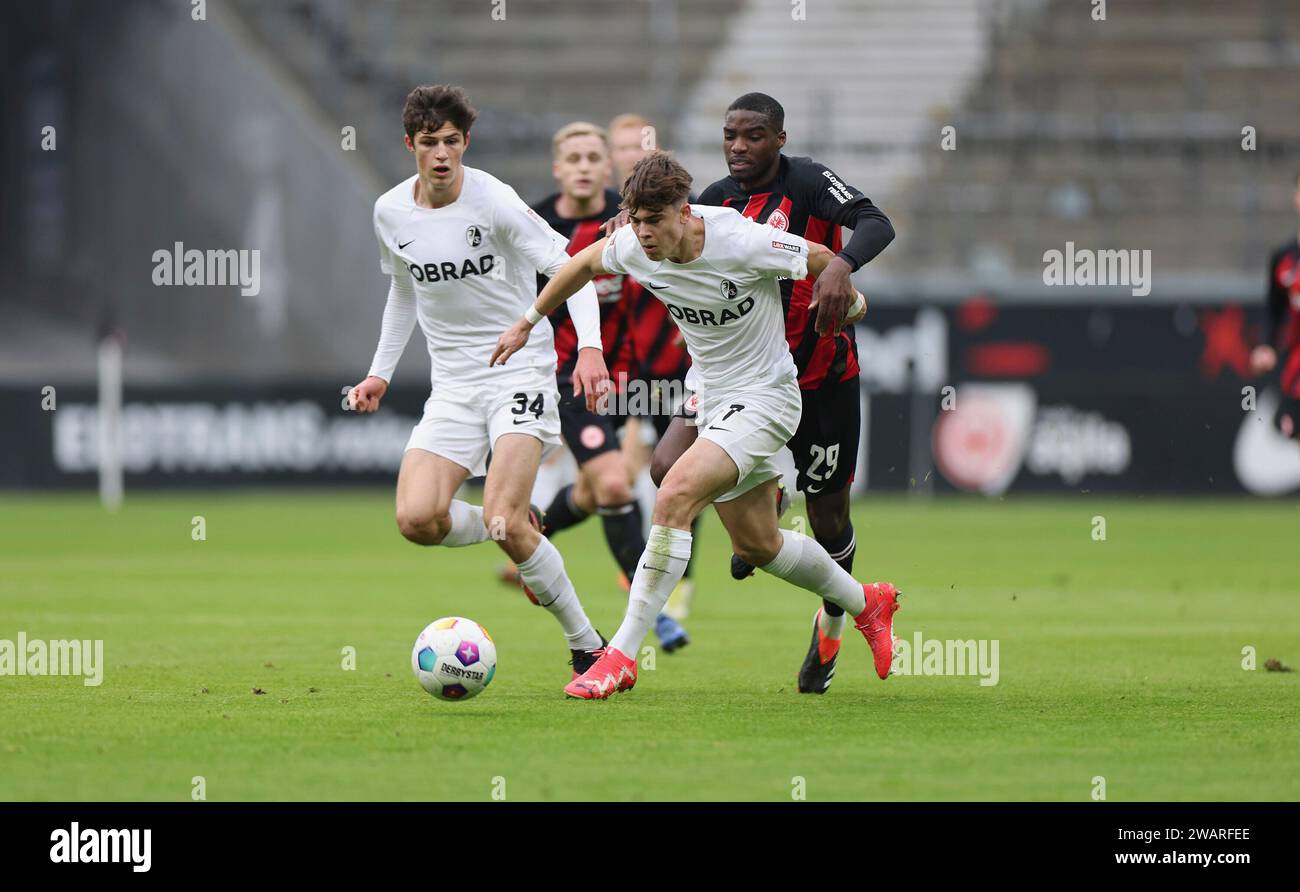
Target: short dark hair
431 106
762 104
656 181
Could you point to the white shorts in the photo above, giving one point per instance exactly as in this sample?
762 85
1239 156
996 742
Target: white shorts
751 426
464 426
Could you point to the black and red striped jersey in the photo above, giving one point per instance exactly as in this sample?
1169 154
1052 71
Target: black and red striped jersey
1284 313
618 295
657 345
808 199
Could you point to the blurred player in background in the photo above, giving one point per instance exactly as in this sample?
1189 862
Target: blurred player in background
631 138
463 251
658 347
581 166
717 272
1283 339
801 196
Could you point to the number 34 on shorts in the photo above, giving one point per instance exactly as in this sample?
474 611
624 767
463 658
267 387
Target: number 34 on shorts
533 411
526 404
463 426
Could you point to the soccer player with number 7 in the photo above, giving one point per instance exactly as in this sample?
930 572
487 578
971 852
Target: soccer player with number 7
716 272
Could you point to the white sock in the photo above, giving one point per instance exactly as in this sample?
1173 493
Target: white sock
831 626
803 562
466 525
544 575
667 551
645 491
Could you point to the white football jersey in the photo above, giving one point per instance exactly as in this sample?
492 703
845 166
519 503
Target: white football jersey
726 302
473 267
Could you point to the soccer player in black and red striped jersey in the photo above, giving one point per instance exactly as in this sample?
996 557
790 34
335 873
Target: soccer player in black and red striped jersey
801 196
581 166
1283 341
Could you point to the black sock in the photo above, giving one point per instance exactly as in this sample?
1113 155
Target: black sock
562 513
695 537
623 533
841 549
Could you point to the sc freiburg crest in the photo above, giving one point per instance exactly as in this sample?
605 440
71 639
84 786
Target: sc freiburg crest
473 237
728 289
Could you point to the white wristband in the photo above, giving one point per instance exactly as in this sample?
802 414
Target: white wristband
532 315
859 304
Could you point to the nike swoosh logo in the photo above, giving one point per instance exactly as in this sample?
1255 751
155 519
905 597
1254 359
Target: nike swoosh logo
658 287
400 246
714 427
522 420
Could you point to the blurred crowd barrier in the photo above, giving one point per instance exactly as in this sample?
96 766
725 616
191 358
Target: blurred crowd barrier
973 398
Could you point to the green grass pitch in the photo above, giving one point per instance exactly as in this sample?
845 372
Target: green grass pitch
1119 659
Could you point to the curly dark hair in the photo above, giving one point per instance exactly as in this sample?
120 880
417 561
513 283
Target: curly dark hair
433 105
657 181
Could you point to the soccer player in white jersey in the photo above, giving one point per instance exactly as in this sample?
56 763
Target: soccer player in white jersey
463 251
717 272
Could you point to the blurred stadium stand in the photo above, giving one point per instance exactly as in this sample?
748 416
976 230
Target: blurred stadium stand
546 63
1125 133
226 134
861 83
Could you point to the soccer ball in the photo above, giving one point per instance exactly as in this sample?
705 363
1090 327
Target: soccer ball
454 658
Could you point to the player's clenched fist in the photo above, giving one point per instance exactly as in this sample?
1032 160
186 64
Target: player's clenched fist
365 396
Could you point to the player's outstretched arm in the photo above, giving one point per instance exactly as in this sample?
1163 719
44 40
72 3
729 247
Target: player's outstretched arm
566 282
590 375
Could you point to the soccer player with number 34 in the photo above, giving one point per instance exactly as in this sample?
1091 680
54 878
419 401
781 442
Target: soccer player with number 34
717 273
463 251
